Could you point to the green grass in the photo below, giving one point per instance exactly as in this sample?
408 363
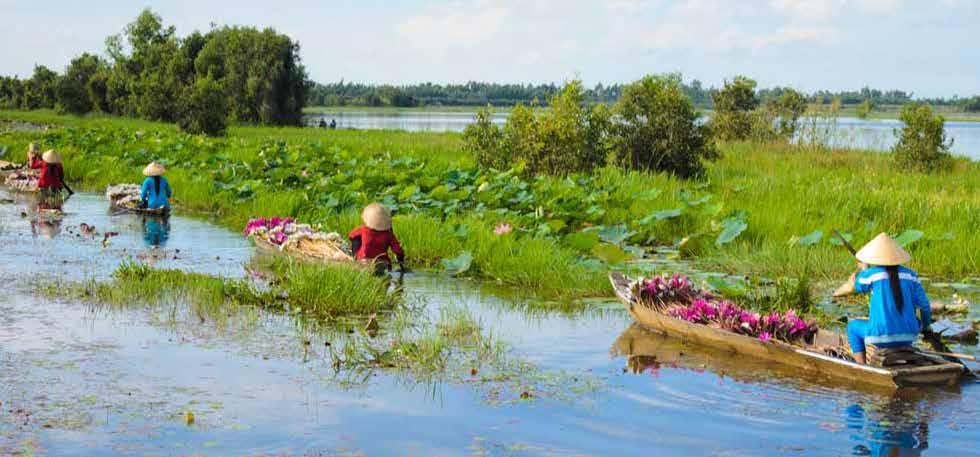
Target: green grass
783 192
330 291
318 293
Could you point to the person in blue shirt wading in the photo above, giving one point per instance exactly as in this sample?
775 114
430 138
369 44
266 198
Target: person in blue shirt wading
895 295
156 190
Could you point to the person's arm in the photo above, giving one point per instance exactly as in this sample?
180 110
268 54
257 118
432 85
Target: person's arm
145 191
397 249
355 241
922 302
853 284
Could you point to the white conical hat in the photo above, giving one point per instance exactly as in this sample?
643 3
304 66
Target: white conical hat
51 156
883 251
154 169
376 217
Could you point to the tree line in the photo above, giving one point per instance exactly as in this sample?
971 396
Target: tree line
503 94
201 81
469 94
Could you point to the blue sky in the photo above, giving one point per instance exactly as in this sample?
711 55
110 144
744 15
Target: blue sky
929 47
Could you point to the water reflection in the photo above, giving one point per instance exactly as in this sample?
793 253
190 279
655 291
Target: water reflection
878 422
893 428
156 230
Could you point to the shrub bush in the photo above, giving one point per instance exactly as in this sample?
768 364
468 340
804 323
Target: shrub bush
657 129
570 137
922 143
734 103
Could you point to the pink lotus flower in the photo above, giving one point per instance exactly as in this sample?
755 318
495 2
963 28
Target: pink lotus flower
765 337
502 229
279 238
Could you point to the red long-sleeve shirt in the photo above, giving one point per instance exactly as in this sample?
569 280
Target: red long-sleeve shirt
51 176
375 244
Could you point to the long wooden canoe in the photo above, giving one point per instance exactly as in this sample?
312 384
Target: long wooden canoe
266 246
934 371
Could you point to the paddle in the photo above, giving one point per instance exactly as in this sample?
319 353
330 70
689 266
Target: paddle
846 243
928 336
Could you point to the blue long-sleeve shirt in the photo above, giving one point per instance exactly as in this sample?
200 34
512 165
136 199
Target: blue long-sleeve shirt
153 198
886 324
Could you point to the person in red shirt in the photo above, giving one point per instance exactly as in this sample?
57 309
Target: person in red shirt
371 241
52 176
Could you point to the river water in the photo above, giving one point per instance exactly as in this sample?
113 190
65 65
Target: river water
84 380
850 132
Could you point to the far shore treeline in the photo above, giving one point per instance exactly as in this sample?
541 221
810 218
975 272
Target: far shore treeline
201 81
481 94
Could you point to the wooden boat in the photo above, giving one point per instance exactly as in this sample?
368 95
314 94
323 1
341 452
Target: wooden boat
122 209
306 255
930 370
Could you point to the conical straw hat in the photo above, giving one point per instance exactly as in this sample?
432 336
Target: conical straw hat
883 251
154 169
376 217
51 156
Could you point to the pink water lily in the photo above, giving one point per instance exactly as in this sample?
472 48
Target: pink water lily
677 297
502 229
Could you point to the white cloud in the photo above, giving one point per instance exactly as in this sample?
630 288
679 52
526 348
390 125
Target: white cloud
794 33
439 28
814 10
881 6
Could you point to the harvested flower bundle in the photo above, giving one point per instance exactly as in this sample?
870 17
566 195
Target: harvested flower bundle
675 296
124 195
286 235
22 180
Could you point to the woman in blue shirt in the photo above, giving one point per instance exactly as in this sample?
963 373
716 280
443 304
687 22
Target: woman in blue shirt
156 190
895 295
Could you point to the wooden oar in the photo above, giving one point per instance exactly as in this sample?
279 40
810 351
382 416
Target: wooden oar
846 243
953 354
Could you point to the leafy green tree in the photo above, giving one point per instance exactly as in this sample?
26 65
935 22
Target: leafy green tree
922 143
41 90
779 117
203 108
864 109
734 103
74 94
570 137
11 92
485 141
659 128
260 72
971 105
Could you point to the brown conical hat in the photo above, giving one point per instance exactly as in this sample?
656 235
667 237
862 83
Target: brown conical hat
376 217
51 156
154 169
883 251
